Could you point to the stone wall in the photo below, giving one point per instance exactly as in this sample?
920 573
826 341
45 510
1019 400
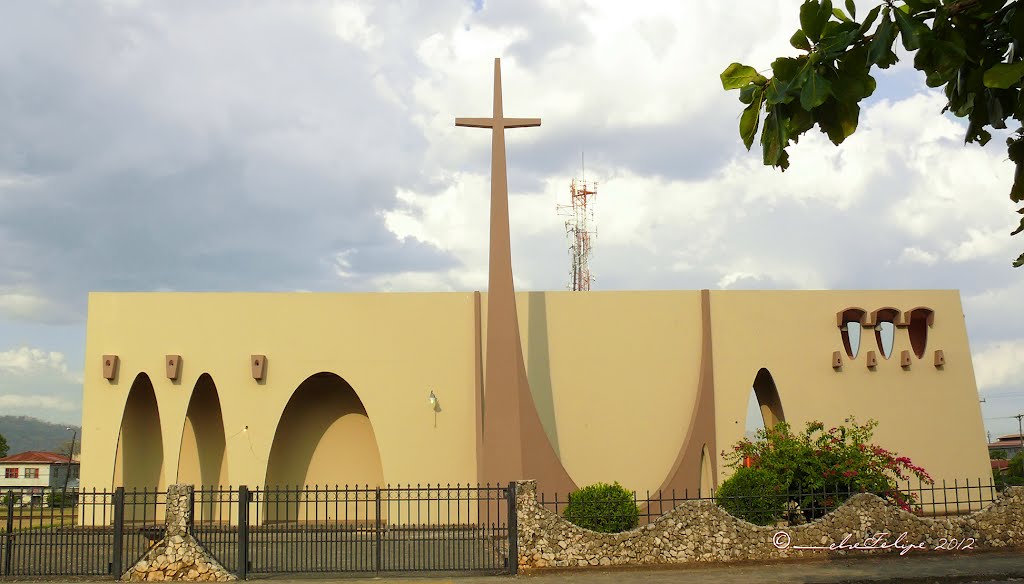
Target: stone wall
700 531
178 556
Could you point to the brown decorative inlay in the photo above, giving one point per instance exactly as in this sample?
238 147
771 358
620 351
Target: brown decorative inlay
872 360
110 363
258 363
514 443
905 359
940 358
685 473
173 366
837 359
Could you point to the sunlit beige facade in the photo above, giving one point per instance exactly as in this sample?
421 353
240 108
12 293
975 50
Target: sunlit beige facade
644 388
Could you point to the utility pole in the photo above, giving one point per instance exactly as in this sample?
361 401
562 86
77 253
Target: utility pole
67 474
1020 434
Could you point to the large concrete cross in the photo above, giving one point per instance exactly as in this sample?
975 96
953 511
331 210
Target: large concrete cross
514 443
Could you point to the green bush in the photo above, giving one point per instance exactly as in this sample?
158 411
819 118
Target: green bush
603 507
58 499
754 495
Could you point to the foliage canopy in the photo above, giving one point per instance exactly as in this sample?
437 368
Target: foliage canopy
970 48
819 468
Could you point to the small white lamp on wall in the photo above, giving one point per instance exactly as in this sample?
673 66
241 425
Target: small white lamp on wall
434 405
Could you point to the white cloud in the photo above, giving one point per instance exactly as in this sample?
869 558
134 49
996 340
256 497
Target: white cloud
33 402
1000 364
351 24
26 361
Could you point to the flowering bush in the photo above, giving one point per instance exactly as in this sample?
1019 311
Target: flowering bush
821 468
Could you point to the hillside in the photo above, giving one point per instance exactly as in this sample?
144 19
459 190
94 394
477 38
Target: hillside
25 433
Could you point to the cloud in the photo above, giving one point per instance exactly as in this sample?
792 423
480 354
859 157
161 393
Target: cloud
999 365
32 361
39 383
35 403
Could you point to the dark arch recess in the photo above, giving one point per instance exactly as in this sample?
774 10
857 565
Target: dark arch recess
139 460
768 399
918 321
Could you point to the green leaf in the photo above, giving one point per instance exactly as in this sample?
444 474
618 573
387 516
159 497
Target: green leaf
880 50
736 76
1019 261
813 16
750 119
851 8
782 85
773 138
837 119
838 12
815 91
870 19
912 31
1004 75
799 41
748 92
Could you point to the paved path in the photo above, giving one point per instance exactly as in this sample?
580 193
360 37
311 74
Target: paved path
981 567
974 568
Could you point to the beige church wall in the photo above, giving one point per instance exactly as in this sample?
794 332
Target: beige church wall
931 415
614 378
393 349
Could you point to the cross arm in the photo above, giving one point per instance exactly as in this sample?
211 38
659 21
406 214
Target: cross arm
520 122
475 122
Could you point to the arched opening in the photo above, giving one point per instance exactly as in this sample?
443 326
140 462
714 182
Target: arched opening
850 326
919 320
884 322
202 460
764 400
139 462
707 484
324 438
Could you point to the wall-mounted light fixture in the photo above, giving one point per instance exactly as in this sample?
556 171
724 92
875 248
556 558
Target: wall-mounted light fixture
433 400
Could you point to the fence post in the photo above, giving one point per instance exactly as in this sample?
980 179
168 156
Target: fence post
9 540
243 532
513 530
377 556
116 560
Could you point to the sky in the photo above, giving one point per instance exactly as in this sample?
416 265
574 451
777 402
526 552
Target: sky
283 146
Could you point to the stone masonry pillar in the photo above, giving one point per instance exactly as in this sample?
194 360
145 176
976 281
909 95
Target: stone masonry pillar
178 556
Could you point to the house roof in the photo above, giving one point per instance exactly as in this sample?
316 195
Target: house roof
37 456
1010 437
1000 464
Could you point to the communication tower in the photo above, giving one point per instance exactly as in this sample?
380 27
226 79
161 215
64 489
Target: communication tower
580 231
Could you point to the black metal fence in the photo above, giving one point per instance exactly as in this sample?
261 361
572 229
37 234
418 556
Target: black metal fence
356 530
51 532
792 506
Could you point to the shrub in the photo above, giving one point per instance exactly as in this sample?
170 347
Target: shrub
822 467
603 507
997 455
754 495
58 499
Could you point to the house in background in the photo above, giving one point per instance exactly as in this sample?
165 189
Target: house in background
1010 444
33 473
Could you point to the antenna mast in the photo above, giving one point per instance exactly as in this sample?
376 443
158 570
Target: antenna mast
579 229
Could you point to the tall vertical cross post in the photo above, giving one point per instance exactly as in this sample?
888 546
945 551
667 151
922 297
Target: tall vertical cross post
515 445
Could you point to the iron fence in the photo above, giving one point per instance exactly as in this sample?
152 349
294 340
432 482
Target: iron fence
793 506
370 530
361 530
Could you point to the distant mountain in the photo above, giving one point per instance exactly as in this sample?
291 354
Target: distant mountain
25 433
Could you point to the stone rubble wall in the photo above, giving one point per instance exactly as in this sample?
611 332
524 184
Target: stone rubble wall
701 531
178 556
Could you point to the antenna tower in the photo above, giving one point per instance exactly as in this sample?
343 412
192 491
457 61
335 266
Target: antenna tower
579 229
